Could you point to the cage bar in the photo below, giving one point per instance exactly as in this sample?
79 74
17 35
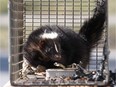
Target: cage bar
27 15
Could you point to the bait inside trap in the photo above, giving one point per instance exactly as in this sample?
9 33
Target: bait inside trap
27 15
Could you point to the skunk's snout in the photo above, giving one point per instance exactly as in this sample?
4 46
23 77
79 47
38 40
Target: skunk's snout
57 57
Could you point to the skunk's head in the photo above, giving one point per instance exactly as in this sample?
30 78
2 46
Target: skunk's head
50 46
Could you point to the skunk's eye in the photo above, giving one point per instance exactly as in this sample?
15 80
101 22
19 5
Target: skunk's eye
49 49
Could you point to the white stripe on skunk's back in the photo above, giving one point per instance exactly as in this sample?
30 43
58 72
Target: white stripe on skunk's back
51 35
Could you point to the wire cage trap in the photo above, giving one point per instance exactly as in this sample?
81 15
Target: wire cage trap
27 15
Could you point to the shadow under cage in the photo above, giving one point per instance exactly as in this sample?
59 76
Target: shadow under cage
27 15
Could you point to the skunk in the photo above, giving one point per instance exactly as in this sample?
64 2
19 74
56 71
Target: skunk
49 44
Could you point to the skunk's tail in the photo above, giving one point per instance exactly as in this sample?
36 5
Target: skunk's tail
93 28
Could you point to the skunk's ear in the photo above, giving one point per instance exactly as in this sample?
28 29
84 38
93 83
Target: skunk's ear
45 31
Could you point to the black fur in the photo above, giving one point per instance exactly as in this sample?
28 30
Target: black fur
93 28
72 47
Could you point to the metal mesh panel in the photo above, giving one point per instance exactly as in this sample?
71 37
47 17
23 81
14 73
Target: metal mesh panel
48 12
16 36
27 15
